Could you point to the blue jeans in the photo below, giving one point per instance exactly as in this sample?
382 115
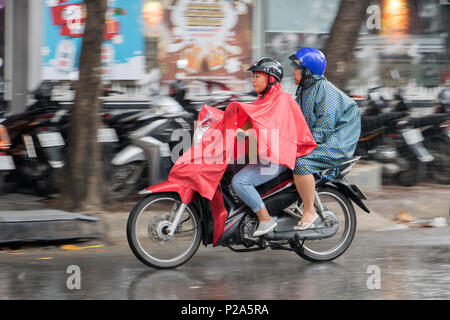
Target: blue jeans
246 180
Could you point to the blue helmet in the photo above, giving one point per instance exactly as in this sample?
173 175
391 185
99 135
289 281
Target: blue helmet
310 58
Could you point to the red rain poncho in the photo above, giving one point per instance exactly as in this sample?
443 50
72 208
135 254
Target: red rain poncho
282 136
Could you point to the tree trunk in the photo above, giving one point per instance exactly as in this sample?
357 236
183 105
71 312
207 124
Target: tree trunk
343 37
82 188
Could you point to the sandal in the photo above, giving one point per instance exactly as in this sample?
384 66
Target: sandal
306 225
265 227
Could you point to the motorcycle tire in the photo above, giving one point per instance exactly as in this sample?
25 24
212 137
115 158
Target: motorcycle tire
412 176
140 234
308 252
124 179
440 166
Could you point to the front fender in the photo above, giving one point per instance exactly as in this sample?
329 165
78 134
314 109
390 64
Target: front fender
186 195
352 192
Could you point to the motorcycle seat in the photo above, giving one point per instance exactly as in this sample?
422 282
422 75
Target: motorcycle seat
287 175
370 124
429 120
269 185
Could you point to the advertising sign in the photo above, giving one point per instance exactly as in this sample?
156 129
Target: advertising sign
207 40
123 47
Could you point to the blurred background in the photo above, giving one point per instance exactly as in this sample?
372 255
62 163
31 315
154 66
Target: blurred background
162 60
217 40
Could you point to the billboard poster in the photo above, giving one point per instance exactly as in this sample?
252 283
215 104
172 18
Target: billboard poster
207 40
123 46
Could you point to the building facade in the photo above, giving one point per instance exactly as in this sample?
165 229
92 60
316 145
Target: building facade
402 43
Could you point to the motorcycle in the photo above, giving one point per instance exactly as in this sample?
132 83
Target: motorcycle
36 144
39 139
166 227
389 138
432 131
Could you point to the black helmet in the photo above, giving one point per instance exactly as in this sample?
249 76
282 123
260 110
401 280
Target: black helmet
268 65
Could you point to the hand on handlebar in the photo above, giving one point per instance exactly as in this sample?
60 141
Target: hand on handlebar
241 134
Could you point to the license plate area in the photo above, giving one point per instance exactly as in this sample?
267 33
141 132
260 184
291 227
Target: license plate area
7 163
51 139
412 136
107 135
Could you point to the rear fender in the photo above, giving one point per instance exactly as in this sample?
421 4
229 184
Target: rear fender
351 191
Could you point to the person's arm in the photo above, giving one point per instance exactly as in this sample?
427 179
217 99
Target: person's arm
251 150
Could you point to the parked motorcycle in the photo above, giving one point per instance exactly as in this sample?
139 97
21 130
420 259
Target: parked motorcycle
36 144
166 227
432 131
39 139
386 137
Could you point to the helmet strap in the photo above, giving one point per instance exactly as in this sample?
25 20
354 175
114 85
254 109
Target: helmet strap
269 83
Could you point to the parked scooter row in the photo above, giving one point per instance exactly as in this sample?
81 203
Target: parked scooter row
35 141
406 146
138 146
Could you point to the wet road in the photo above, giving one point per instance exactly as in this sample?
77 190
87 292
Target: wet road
404 264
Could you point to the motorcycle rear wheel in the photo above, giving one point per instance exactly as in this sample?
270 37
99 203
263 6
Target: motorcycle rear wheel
147 232
440 166
332 248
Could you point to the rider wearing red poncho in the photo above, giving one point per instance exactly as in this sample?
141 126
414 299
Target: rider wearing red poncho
281 132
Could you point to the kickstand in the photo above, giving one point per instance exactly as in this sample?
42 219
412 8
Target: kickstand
297 244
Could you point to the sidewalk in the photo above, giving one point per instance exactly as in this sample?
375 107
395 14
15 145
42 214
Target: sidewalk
25 218
422 203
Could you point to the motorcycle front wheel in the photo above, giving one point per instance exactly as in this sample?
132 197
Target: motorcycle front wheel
148 237
124 179
329 249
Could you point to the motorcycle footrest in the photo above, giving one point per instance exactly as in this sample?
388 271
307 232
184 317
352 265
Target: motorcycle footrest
311 234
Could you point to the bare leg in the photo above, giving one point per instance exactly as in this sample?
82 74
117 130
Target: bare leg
263 215
305 185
